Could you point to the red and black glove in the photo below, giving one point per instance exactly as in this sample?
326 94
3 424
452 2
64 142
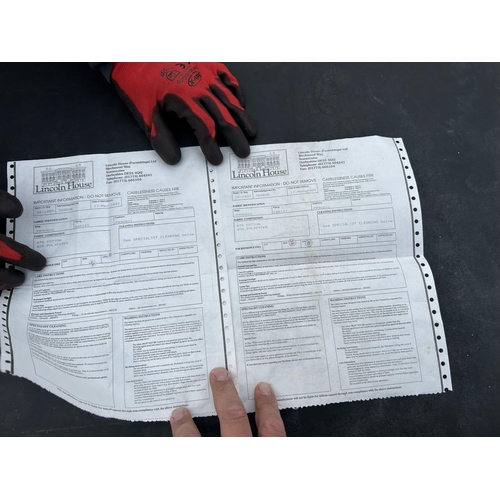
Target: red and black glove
207 95
13 252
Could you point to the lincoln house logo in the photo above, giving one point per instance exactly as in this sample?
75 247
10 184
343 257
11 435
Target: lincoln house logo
269 164
63 177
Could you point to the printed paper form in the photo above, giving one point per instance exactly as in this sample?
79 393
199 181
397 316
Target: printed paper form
328 293
301 265
125 317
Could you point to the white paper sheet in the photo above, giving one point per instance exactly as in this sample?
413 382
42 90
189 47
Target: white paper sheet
301 265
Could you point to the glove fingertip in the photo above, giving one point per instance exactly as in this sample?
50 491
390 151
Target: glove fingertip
242 150
214 159
169 152
10 206
38 262
16 209
163 141
30 259
10 278
170 158
210 148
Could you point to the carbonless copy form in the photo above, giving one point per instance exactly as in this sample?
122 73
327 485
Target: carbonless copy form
301 265
125 320
332 298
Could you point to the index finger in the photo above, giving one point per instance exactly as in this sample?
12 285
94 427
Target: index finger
182 424
267 414
230 410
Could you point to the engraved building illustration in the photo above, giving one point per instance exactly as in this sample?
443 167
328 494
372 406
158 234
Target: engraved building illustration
253 163
63 175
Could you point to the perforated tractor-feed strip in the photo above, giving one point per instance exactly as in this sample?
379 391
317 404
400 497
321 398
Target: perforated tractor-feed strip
222 275
418 252
6 352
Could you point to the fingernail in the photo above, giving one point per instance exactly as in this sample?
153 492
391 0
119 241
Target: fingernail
178 413
220 373
264 388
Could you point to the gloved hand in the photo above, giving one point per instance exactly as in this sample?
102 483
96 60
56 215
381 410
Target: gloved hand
207 95
13 252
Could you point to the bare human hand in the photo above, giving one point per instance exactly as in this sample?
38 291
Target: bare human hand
231 412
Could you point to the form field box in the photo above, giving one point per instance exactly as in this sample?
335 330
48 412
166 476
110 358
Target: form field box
280 227
157 234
